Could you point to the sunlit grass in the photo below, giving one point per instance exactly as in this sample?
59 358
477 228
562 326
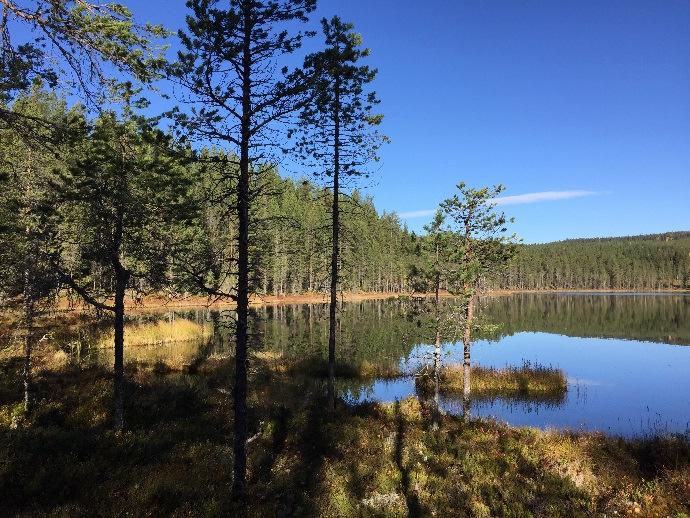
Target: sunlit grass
527 380
158 333
318 368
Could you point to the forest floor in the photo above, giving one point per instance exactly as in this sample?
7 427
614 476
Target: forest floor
175 457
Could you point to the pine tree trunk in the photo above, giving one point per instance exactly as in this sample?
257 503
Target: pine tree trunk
311 272
28 288
28 337
119 328
437 375
334 252
241 332
466 341
437 350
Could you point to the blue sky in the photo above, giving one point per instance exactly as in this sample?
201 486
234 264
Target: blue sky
580 108
540 96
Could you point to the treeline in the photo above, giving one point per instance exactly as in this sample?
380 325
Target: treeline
291 241
646 262
375 249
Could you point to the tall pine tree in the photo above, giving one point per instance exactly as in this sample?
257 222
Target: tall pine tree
338 141
239 93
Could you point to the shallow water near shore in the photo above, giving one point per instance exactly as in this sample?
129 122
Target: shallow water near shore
616 386
626 356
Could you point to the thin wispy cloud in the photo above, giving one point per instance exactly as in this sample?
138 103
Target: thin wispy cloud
416 213
518 199
534 197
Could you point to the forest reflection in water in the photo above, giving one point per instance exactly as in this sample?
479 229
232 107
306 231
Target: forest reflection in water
619 352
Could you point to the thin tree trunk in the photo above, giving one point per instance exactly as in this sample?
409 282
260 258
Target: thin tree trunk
466 341
311 271
119 328
437 346
29 271
121 279
437 375
469 315
28 337
334 252
241 332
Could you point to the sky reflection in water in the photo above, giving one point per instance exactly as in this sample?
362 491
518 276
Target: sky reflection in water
616 385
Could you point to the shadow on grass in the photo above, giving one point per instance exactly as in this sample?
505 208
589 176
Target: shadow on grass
65 459
10 380
175 458
413 507
299 436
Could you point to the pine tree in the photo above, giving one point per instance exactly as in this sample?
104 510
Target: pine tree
338 141
27 222
483 248
75 44
436 268
228 73
119 200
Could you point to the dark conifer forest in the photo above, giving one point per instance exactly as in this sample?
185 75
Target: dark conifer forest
292 245
645 262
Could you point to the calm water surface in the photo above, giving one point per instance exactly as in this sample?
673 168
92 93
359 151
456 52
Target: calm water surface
626 356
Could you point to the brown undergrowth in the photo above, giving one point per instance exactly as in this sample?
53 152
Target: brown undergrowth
175 457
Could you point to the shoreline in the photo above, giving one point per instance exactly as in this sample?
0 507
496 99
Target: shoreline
196 301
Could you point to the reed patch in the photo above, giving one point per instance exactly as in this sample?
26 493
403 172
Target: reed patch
158 332
527 381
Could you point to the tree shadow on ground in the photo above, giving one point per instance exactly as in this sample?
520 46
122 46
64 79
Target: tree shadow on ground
66 459
365 460
10 380
413 506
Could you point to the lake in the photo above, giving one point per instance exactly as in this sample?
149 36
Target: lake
626 356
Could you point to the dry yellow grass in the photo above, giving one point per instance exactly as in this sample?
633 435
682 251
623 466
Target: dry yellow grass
157 333
318 367
527 380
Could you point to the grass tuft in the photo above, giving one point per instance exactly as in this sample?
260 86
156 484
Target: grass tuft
157 333
528 381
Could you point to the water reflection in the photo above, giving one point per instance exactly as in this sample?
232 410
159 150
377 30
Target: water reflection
617 351
662 318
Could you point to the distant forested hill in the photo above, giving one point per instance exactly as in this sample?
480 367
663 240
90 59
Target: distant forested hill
646 262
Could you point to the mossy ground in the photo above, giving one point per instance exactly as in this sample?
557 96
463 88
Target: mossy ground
175 457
